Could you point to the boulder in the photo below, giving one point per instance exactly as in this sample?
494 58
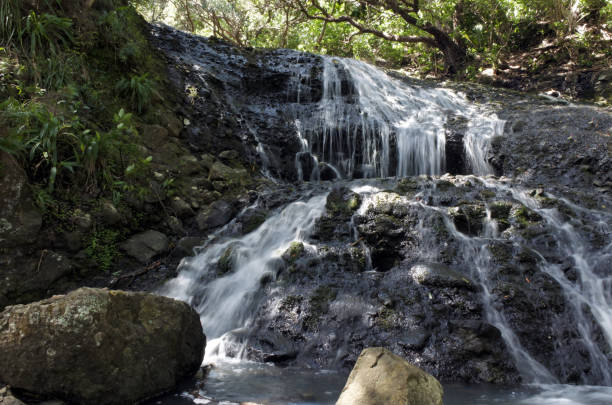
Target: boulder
181 208
20 220
31 277
146 245
217 214
109 213
95 346
382 378
231 176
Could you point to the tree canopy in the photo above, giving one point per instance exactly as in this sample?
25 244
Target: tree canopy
440 35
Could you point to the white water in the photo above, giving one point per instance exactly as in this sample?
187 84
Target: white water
591 293
384 127
227 303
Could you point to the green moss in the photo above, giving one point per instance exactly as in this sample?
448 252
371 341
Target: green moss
254 222
524 216
102 247
296 249
407 185
226 261
386 318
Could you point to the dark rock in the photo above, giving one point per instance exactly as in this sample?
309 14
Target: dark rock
440 275
109 213
29 278
146 245
20 219
456 127
217 214
181 208
187 244
100 347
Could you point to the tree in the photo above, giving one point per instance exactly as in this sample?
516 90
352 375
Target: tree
365 16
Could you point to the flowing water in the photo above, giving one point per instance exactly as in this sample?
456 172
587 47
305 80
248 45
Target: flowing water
367 124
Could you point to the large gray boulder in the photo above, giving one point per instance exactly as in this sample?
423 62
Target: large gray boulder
382 378
95 346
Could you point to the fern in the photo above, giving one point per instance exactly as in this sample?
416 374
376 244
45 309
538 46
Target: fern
139 89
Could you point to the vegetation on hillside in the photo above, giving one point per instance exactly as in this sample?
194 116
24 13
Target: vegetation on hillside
460 37
73 88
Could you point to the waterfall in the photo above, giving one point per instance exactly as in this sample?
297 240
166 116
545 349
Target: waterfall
227 303
348 120
368 124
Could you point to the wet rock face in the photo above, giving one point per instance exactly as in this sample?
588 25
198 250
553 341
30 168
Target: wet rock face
426 301
99 347
261 102
238 99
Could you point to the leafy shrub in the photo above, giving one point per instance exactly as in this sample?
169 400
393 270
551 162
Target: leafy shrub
139 89
45 33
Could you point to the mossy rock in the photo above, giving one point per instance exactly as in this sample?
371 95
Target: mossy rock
523 216
500 210
468 218
294 252
342 202
226 261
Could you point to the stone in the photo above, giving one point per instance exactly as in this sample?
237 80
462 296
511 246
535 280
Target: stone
187 244
440 275
82 220
228 155
146 245
154 136
181 208
217 214
109 213
231 176
74 240
468 218
29 278
208 160
189 164
382 378
95 346
20 219
175 225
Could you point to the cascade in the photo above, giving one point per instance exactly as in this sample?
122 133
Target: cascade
368 124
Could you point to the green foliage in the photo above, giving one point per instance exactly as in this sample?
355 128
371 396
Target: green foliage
140 90
102 247
46 138
45 34
54 145
10 21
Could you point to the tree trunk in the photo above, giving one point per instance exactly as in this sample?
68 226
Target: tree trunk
455 55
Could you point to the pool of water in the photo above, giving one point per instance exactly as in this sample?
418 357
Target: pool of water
235 383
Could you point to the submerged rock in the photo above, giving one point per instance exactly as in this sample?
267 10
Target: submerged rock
97 346
382 378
